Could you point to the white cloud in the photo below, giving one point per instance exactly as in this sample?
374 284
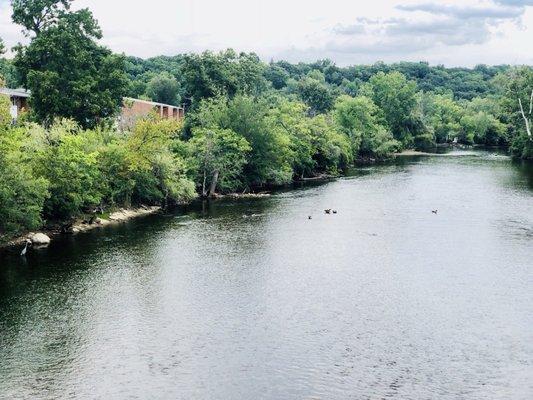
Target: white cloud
477 31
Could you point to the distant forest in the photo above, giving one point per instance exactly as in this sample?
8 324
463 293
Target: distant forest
167 72
463 83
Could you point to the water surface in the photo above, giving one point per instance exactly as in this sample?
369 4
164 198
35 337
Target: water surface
383 300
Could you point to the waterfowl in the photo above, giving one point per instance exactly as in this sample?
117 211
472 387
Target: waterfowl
309 217
334 211
328 211
25 249
434 211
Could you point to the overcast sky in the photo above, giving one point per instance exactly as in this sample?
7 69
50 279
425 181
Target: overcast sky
453 33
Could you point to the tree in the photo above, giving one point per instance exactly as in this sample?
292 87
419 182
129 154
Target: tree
360 119
70 164
289 119
22 195
277 76
483 128
516 86
226 73
332 151
159 173
443 114
316 95
269 158
396 97
5 116
2 47
37 15
163 88
69 74
221 155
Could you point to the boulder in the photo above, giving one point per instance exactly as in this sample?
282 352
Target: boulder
40 239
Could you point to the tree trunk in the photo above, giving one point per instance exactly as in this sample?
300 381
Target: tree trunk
204 192
526 118
214 182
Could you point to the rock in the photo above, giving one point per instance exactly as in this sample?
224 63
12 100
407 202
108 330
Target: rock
40 239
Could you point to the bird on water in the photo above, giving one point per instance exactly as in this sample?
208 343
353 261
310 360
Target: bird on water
25 249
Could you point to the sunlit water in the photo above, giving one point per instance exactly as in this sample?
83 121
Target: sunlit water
383 300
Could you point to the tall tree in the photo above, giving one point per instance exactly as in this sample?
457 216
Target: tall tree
221 155
315 94
517 101
37 15
68 73
163 88
396 96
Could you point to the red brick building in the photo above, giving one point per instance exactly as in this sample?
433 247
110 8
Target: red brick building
134 109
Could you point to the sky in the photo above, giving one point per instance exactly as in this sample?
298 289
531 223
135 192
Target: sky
453 33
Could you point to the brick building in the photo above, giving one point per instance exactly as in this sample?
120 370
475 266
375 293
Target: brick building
132 109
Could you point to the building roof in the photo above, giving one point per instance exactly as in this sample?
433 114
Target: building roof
153 103
15 92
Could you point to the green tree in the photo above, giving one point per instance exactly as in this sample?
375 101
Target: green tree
221 155
360 119
443 114
516 86
69 74
70 164
483 128
22 195
269 158
277 76
159 175
396 97
37 15
163 88
226 73
332 150
5 116
316 95
290 120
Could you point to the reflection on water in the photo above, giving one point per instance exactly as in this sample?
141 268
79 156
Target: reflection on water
384 299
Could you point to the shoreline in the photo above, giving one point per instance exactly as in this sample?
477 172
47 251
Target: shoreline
116 217
126 214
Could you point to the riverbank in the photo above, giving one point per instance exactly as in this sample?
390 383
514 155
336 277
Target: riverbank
411 153
83 225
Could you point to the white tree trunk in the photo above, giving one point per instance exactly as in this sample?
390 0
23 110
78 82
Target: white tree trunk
528 116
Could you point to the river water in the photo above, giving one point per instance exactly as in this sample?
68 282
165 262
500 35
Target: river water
384 299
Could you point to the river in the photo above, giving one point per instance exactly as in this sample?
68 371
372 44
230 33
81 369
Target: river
251 299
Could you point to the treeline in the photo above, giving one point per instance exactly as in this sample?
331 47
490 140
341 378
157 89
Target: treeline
419 105
463 83
248 124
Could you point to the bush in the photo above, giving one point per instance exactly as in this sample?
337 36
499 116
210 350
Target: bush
22 195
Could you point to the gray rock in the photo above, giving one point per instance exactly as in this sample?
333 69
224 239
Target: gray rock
40 239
